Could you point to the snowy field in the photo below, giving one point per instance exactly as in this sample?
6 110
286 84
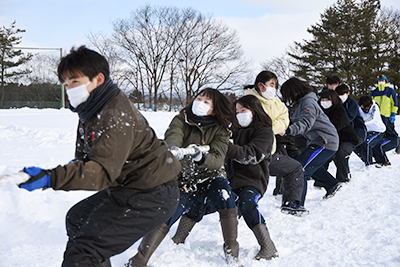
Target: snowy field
360 226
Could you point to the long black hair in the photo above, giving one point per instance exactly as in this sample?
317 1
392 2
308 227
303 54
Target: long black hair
294 89
222 111
262 77
260 118
332 95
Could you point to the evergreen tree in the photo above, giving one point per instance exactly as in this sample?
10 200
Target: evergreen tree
10 58
350 42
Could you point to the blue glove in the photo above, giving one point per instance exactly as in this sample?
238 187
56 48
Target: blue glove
39 179
197 156
392 117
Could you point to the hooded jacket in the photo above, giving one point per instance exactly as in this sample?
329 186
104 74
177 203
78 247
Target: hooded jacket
276 110
116 148
182 132
247 160
386 99
308 119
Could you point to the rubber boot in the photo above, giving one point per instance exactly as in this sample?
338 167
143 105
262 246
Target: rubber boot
229 223
185 226
268 249
278 186
149 244
105 263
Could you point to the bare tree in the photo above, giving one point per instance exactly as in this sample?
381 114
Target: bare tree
172 49
149 38
281 66
210 56
119 71
42 69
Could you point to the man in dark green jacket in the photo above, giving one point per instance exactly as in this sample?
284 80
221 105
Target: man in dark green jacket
118 154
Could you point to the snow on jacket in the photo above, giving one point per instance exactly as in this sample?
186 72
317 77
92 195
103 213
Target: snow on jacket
247 160
276 110
308 119
372 119
182 132
386 99
338 116
117 148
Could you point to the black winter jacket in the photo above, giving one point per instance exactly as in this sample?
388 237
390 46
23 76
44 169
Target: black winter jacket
338 117
247 160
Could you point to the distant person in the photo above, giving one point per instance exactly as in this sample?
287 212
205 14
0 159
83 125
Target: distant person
389 141
117 154
352 110
386 98
308 119
288 171
348 139
370 113
332 82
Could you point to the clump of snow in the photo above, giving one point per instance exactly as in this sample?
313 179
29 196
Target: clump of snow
359 226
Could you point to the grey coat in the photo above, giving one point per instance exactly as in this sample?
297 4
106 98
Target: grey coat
308 119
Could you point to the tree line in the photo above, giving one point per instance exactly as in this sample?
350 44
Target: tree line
163 53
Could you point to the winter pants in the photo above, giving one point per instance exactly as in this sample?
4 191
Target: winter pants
248 206
387 143
211 195
110 221
364 151
341 160
312 159
292 175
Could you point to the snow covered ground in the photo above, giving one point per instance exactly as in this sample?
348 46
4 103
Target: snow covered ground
360 226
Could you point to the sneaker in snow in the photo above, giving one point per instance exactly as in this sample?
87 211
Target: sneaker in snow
385 164
331 192
294 209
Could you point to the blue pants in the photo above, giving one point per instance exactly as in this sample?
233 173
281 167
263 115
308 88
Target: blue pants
248 206
211 195
387 144
364 151
389 141
313 158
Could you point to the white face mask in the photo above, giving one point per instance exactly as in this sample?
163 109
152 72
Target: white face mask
200 108
269 93
244 119
326 104
78 95
343 97
381 82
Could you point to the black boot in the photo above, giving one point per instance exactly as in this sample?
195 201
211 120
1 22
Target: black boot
149 244
229 224
105 263
278 186
185 226
268 249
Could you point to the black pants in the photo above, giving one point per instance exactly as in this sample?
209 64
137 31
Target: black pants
341 160
110 221
292 175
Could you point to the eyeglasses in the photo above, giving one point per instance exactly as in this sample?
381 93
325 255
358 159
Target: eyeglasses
381 76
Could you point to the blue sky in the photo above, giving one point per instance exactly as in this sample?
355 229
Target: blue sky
265 27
